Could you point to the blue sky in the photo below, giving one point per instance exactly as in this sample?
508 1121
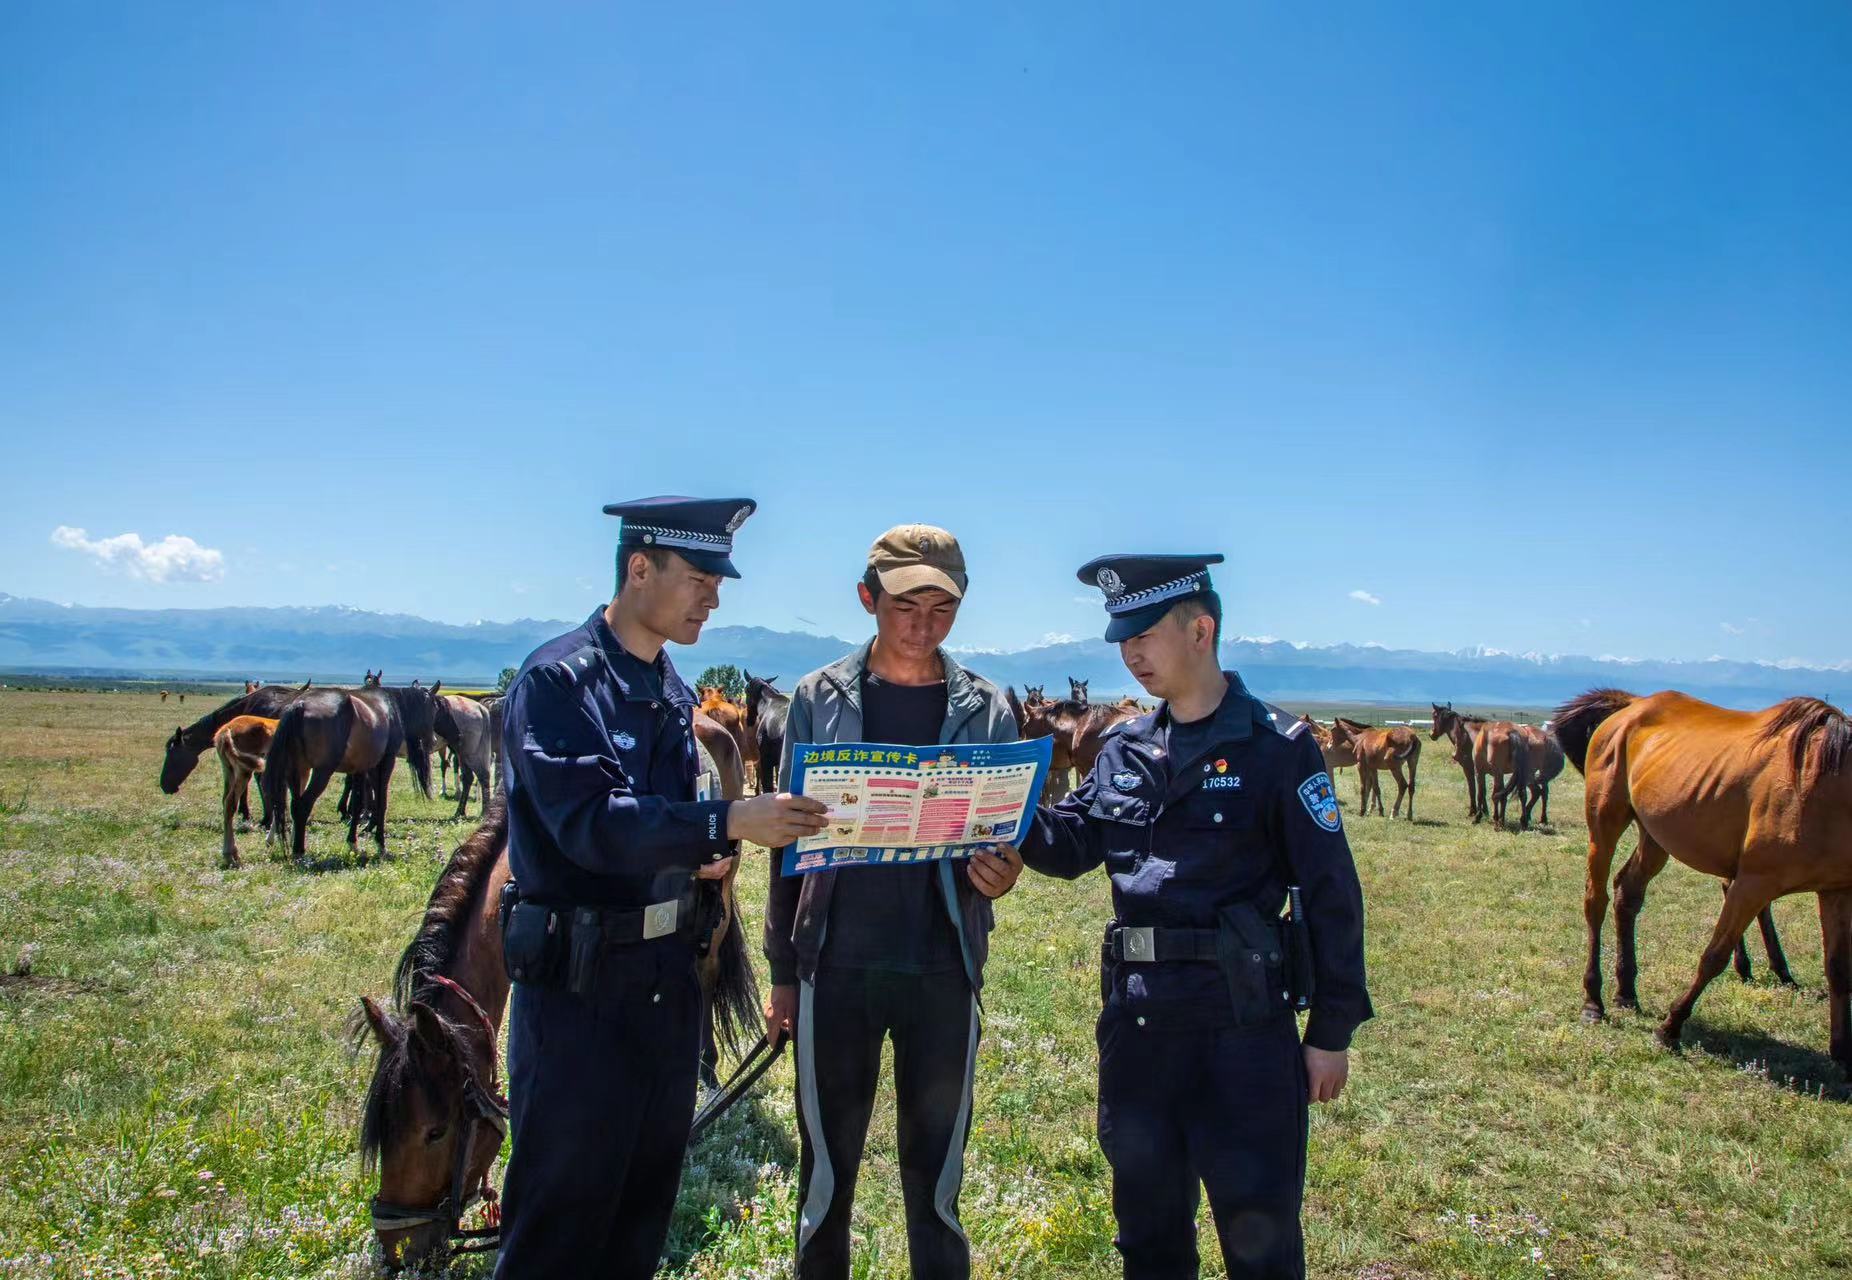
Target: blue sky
1522 326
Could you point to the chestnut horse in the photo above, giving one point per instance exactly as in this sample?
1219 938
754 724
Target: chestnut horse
1336 756
1394 748
241 744
1760 799
729 715
1485 750
436 1072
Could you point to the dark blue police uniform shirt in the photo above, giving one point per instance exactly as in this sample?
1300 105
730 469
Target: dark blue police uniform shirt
601 773
1239 818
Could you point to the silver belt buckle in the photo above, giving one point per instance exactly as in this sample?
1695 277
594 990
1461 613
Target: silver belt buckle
1138 943
659 919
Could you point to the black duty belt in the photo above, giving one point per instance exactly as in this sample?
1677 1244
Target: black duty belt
617 926
1155 944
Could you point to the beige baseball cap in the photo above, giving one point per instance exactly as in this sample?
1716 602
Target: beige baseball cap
911 556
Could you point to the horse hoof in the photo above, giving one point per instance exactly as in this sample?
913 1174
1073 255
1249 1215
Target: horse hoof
1667 1040
1627 1005
1593 1013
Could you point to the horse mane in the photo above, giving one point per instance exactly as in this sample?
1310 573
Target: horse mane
447 915
1807 719
432 949
1575 722
1355 726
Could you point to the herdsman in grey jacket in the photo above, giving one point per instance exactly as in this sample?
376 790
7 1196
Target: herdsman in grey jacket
863 954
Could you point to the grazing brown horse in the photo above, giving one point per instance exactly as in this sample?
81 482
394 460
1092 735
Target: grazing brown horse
434 1117
190 742
1485 750
241 744
766 709
1033 721
358 732
1395 748
462 725
1759 799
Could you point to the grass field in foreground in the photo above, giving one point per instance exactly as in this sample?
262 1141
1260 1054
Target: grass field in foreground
177 1095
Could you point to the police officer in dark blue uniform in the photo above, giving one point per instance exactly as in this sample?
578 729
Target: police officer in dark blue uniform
1213 815
609 830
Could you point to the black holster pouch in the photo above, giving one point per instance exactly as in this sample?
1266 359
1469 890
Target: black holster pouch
1250 953
1301 983
709 907
530 939
587 948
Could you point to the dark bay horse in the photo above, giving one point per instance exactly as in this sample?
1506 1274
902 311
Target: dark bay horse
1545 757
358 732
1079 730
1077 690
434 1117
1760 799
192 741
766 709
1395 748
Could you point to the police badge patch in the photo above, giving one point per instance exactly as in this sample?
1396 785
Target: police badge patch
623 741
1125 780
1320 800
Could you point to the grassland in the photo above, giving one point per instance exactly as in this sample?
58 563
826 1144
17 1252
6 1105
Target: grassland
178 1096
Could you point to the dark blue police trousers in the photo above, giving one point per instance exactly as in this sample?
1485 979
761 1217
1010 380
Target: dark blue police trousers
601 1093
1226 1109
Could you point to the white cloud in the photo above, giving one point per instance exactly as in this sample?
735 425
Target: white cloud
1729 630
1365 596
1054 637
174 558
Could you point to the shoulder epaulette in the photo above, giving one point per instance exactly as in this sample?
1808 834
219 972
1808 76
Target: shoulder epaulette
574 668
1284 723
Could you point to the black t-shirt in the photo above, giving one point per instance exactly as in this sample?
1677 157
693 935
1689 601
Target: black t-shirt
894 918
1188 739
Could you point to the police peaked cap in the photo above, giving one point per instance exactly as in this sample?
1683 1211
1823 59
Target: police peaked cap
699 530
1141 589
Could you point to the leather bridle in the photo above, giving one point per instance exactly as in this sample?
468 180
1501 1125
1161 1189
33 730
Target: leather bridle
481 1107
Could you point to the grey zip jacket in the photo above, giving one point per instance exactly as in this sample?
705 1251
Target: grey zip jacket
827 707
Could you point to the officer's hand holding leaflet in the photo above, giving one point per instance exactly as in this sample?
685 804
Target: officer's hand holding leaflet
993 870
776 820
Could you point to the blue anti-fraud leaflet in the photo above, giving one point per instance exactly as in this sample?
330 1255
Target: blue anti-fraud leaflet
892 805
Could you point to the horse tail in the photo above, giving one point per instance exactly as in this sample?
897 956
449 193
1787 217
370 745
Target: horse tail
1576 720
736 990
280 762
419 757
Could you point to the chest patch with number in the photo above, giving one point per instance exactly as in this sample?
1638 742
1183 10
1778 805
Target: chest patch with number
1223 782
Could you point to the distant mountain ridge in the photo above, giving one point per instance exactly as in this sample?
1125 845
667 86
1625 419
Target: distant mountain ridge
337 643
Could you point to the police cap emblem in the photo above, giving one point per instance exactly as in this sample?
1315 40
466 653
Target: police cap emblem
1110 582
739 518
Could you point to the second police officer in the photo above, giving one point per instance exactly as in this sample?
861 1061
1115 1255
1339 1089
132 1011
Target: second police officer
607 833
1212 815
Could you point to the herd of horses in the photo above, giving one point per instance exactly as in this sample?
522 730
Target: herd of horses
1760 800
